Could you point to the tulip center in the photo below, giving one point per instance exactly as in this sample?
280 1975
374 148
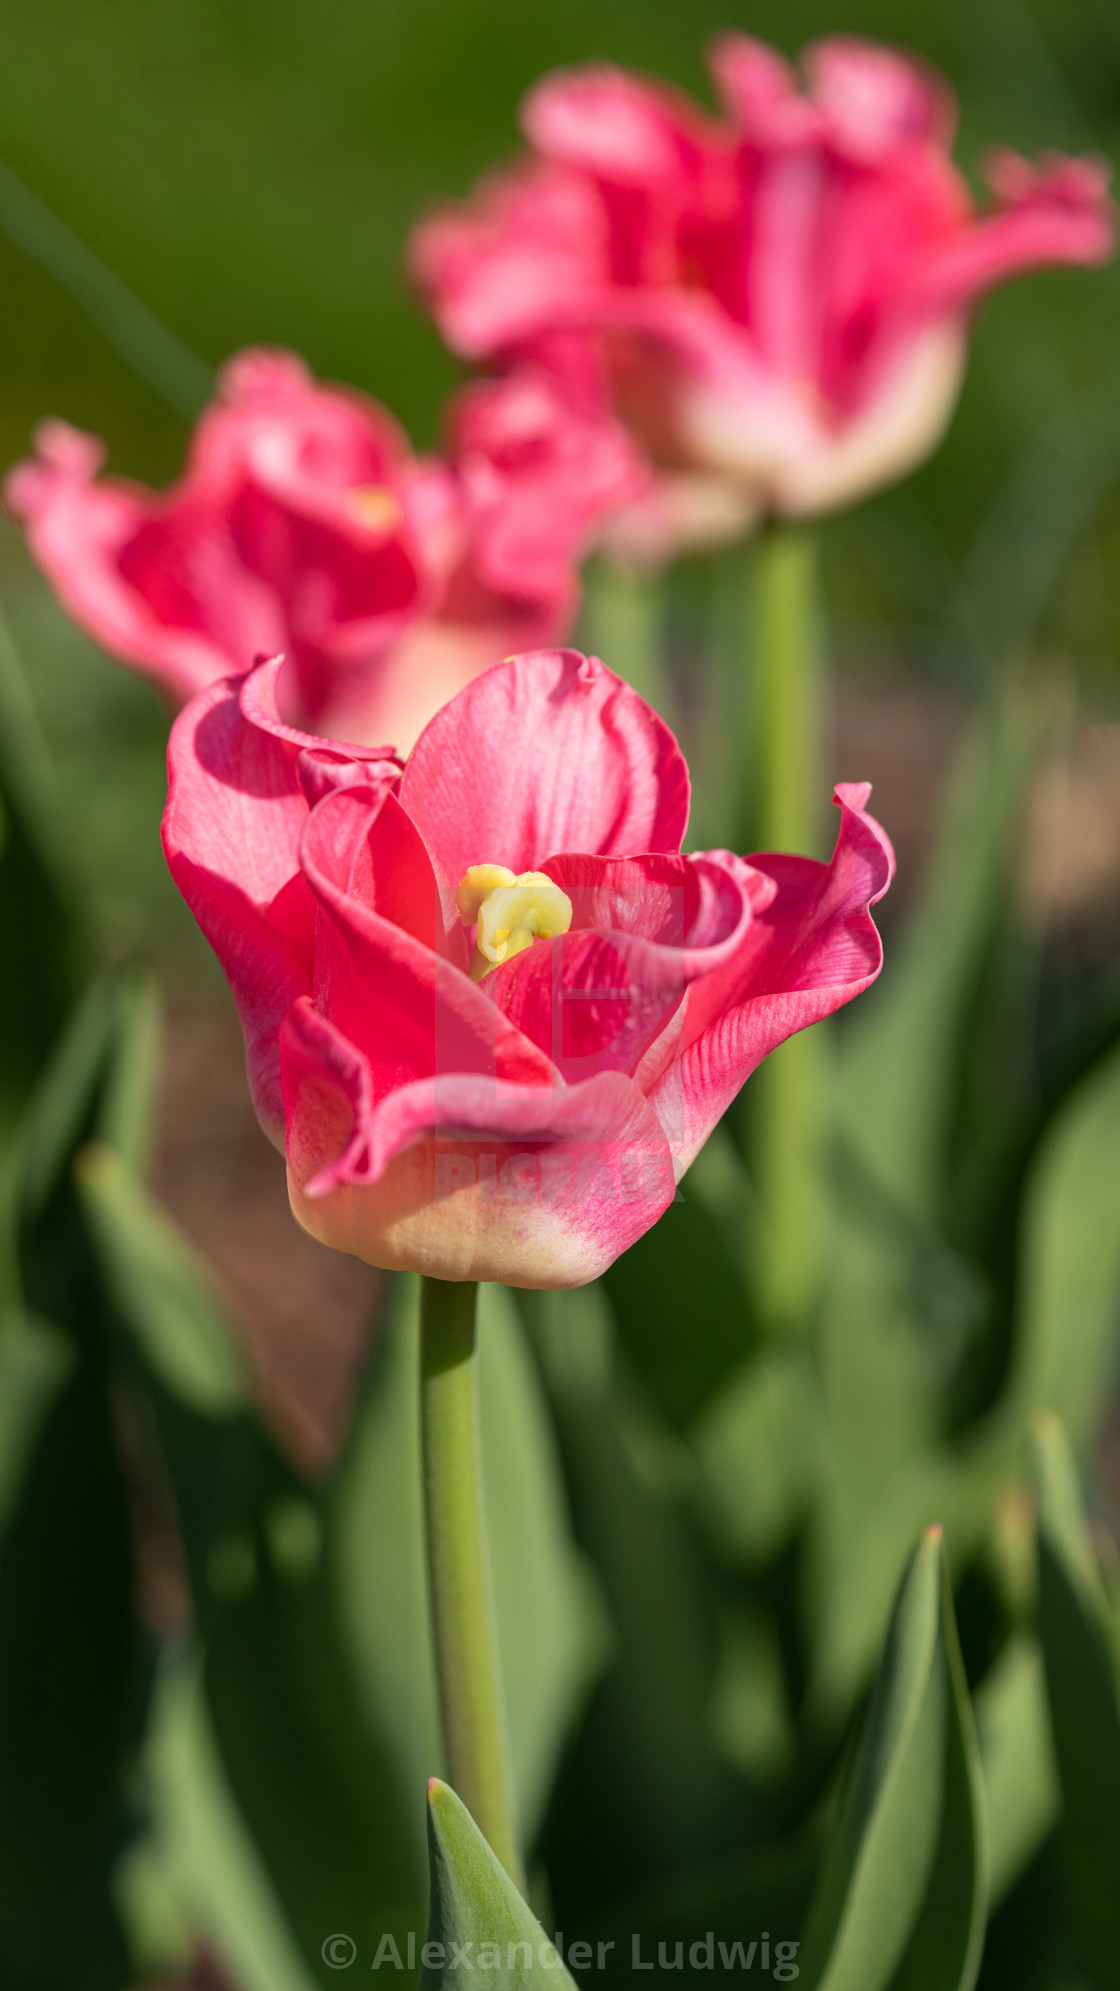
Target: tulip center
508 912
374 507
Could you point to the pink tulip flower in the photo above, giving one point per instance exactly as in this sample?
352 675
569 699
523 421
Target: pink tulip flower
490 1010
305 525
777 301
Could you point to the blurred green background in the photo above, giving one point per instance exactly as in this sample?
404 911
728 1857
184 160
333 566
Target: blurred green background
251 172
181 179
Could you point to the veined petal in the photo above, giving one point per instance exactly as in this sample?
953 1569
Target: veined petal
550 751
807 952
142 574
618 127
390 957
231 829
642 929
321 763
1056 212
462 1177
528 253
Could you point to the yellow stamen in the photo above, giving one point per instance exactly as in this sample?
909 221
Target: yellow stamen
374 506
476 885
509 912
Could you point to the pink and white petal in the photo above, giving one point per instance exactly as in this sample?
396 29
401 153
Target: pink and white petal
698 905
618 128
78 531
306 443
550 751
231 833
591 1002
905 413
234 800
412 1012
322 762
759 89
643 928
1058 212
463 1178
810 950
529 253
877 101
360 848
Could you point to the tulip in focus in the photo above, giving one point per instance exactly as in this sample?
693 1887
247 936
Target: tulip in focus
777 301
304 525
490 1010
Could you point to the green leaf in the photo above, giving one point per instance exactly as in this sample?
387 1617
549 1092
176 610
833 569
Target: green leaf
880 1473
62 1111
73 1660
34 1360
1017 1752
35 901
204 1853
310 1773
162 1287
1084 1695
645 1788
681 1270
902 1067
1070 1268
127 1113
71 1683
902 1894
477 1917
759 1444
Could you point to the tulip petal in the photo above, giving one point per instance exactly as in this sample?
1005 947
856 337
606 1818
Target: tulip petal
549 751
147 577
530 252
617 127
1057 212
399 992
321 763
642 929
807 952
465 1178
231 829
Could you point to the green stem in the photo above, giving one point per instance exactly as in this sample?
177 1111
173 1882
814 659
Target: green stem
789 1089
458 1567
624 618
788 677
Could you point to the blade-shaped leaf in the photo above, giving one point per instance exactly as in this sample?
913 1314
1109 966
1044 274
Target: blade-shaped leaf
161 1286
903 1059
477 1918
73 1660
1084 1694
1070 1273
35 901
902 1894
202 1845
34 1359
1020 1777
681 1270
645 1788
309 1771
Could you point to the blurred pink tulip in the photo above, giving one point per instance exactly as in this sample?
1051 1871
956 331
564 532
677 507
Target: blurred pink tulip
304 525
490 1010
778 302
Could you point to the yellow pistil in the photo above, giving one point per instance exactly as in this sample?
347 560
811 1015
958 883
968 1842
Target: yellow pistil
373 506
509 912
